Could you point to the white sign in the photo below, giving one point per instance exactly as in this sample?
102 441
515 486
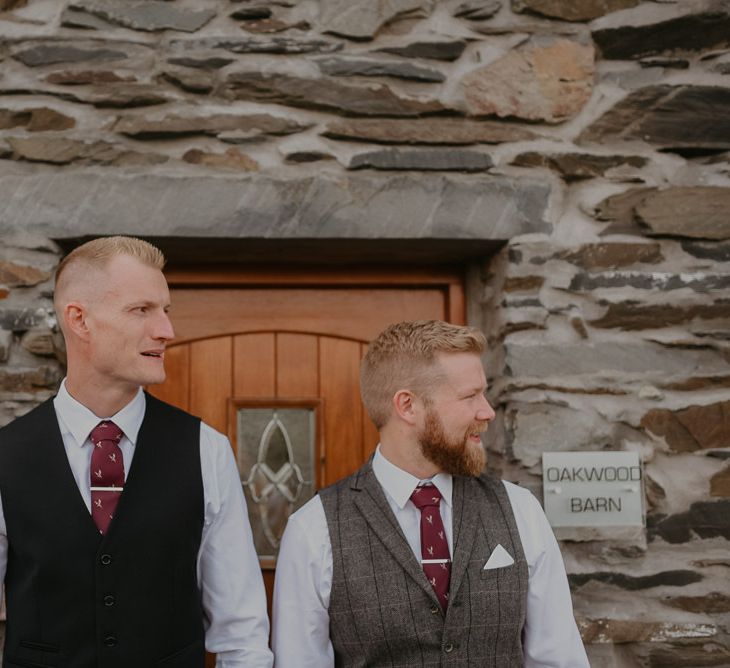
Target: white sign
589 489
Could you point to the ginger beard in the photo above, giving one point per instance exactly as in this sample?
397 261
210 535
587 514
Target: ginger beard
457 456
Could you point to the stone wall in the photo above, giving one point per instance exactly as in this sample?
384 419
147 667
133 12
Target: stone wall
593 137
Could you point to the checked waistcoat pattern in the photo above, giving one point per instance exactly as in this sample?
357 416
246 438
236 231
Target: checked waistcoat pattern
107 473
382 609
435 557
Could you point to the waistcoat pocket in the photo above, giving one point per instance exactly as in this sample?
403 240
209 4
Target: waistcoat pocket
190 655
15 662
40 646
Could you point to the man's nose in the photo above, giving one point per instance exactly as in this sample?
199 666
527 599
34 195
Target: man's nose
163 328
485 411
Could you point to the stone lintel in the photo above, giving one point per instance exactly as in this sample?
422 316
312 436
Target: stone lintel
62 205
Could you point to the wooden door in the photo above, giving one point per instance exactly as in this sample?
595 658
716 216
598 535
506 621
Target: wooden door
247 337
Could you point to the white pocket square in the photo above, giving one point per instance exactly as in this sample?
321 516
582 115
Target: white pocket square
499 559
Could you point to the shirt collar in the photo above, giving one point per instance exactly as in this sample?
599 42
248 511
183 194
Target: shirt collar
78 421
399 484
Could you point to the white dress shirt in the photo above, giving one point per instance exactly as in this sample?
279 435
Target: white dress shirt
304 576
231 587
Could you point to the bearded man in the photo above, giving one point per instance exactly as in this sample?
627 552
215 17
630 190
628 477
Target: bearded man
420 558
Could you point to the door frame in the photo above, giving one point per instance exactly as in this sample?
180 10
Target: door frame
451 279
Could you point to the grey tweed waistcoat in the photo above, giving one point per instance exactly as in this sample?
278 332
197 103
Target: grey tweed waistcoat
383 611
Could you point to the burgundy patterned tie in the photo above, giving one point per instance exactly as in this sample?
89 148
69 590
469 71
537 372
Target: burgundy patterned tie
107 473
435 557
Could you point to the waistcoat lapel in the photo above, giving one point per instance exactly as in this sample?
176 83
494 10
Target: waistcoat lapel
465 526
371 502
48 445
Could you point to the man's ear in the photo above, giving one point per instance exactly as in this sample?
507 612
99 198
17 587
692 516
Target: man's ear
74 317
405 406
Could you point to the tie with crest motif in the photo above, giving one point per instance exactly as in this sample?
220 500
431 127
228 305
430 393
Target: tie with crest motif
107 473
435 558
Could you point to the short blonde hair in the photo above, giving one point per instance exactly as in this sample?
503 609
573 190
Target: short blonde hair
98 252
403 356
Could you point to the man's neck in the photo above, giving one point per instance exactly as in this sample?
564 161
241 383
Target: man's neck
102 401
407 456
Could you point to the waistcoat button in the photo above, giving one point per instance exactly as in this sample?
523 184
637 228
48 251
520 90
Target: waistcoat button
109 600
434 609
448 647
110 641
106 559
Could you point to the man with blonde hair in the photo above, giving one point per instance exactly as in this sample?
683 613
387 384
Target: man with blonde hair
420 558
124 537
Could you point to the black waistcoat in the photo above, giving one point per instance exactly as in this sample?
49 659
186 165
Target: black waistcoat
129 599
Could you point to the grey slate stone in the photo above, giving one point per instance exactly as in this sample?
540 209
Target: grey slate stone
705 519
572 10
191 81
252 13
372 67
448 51
174 125
674 117
7 5
327 94
432 130
539 427
297 157
148 16
610 358
632 316
201 63
612 255
361 19
355 206
689 33
432 160
673 63
699 282
708 250
117 96
50 54
274 44
6 340
73 18
23 319
676 578
577 166
478 10
63 150
274 25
